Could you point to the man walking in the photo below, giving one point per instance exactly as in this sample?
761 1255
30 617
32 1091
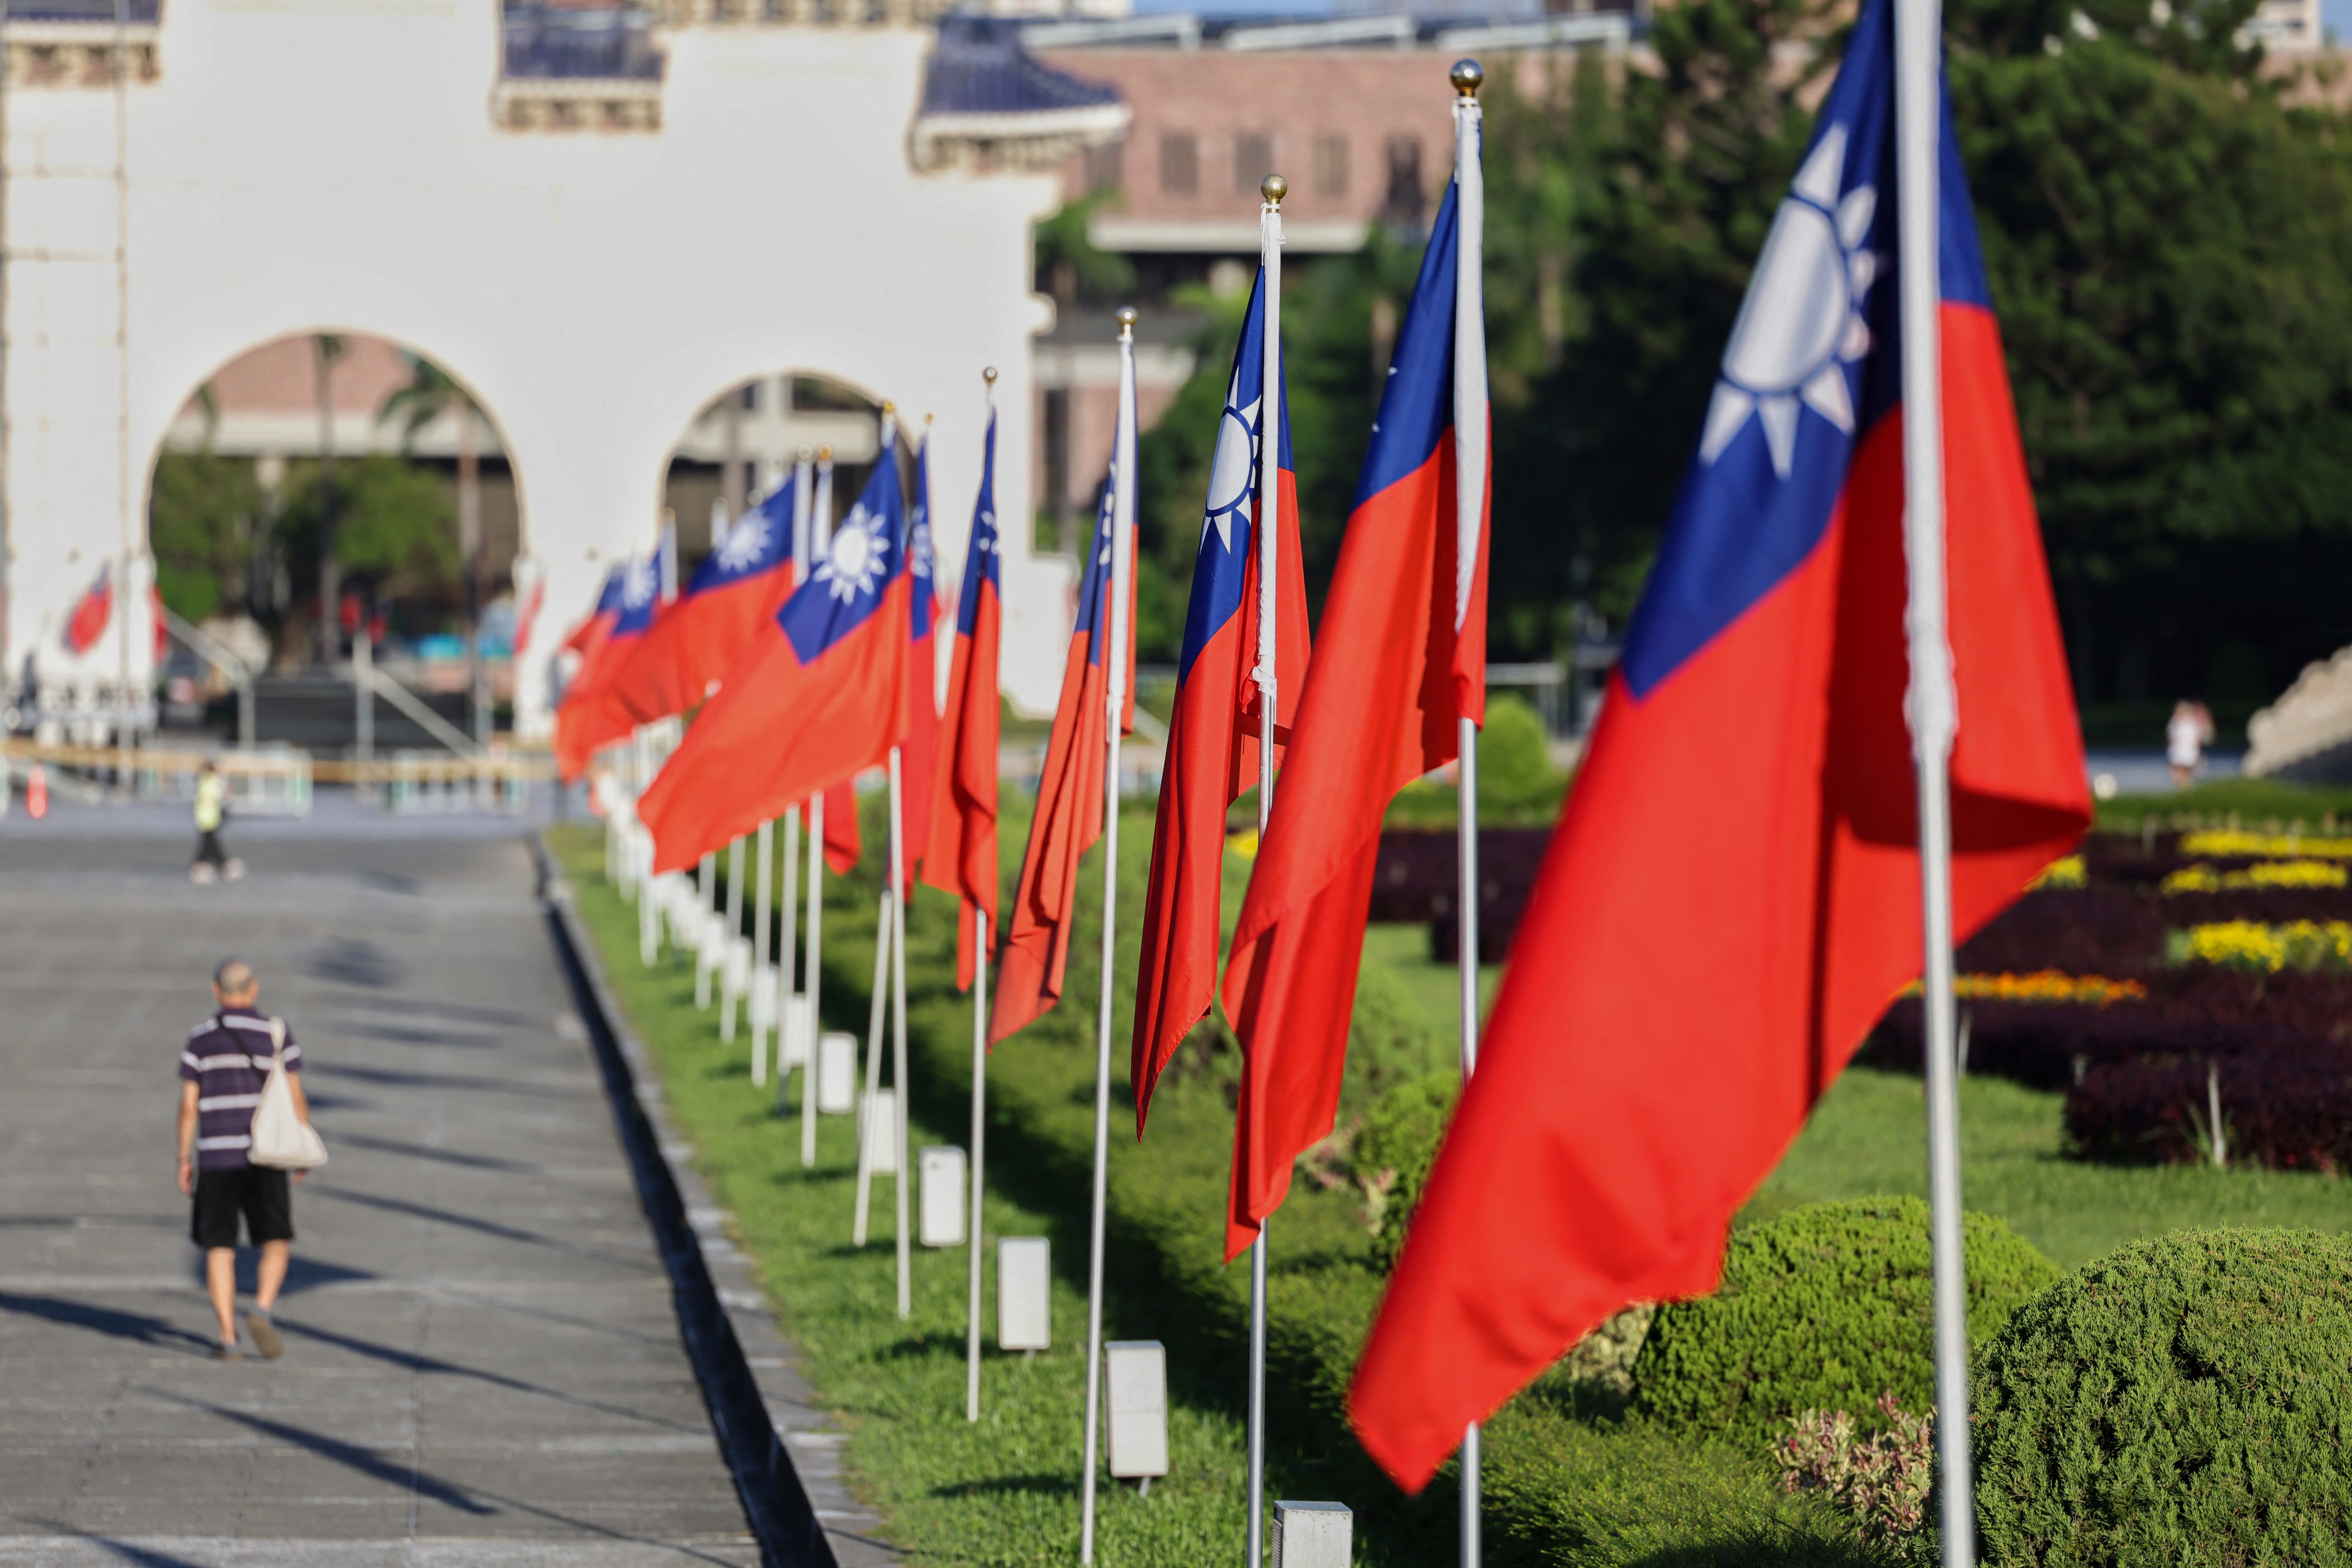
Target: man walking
222 1070
212 861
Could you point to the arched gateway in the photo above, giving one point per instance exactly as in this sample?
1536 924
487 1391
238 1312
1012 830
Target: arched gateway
590 220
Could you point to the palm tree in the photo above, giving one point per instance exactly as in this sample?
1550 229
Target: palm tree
432 392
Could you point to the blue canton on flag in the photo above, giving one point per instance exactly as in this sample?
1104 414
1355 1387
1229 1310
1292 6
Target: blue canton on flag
866 557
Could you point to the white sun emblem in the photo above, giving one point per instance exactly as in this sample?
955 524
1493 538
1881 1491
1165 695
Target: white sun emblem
1229 470
638 584
745 543
1801 323
853 561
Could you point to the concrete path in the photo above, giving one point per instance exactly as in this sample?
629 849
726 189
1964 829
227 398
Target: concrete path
482 1365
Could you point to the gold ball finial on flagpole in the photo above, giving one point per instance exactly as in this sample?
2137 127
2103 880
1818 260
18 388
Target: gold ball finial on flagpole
988 374
825 453
1468 77
1274 187
888 407
1127 319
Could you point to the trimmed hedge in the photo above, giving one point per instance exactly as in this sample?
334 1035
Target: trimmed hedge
2288 1109
1824 1308
2185 1400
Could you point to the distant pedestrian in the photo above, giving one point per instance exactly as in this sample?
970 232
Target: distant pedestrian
212 809
2186 736
221 1069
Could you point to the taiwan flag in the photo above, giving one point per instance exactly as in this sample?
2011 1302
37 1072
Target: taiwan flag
1402 661
1212 735
91 613
1035 951
589 720
919 753
697 637
597 624
962 842
818 696
1732 893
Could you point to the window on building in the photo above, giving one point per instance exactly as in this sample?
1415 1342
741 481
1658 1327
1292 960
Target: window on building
1330 165
1103 168
1253 160
1406 203
1179 162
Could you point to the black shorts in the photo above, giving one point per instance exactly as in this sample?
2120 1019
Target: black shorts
262 1195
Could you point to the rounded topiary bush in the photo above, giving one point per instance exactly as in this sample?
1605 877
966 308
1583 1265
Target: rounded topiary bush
2185 1400
1825 1308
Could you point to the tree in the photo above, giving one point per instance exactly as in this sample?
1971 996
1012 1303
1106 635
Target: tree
202 526
394 524
432 392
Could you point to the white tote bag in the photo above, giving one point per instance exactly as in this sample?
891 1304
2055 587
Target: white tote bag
281 1138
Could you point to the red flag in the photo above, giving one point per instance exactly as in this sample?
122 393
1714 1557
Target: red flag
597 624
695 641
1035 951
818 696
961 838
1396 671
162 628
588 720
1213 737
90 613
919 755
844 844
1698 961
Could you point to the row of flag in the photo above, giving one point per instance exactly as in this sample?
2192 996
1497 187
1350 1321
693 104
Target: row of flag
1732 892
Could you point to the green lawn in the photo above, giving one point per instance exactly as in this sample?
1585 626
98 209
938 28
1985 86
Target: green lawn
1571 1479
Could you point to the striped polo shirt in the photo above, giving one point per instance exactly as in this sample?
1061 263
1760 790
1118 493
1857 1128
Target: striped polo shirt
227 1059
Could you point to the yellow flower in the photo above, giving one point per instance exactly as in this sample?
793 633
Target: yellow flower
2044 985
2232 843
2250 944
2065 873
2203 879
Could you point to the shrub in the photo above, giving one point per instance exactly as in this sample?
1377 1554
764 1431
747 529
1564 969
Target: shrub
2289 1109
1393 1152
1516 781
2184 1400
1824 1308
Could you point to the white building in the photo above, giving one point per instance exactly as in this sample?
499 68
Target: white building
597 224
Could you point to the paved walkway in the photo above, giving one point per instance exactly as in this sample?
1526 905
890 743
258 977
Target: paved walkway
482 1366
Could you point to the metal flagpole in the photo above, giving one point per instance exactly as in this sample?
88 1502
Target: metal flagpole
727 997
707 888
787 950
1122 522
764 924
820 540
788 966
1469 502
900 892
881 1001
979 1136
1269 502
979 1072
1933 710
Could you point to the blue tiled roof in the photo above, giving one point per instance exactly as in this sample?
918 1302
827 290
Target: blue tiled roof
137 13
546 42
980 67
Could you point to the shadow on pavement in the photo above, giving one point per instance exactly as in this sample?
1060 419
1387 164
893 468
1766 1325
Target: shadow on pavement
108 1321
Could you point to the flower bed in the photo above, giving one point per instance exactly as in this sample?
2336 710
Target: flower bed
2164 972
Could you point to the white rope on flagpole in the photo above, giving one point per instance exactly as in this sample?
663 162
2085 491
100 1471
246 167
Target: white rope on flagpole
1273 188
820 534
1469 500
905 1178
1932 708
978 1068
1115 709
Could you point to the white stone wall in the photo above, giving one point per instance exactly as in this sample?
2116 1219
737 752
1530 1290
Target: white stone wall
308 165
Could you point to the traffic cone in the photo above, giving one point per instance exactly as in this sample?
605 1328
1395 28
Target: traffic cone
36 793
